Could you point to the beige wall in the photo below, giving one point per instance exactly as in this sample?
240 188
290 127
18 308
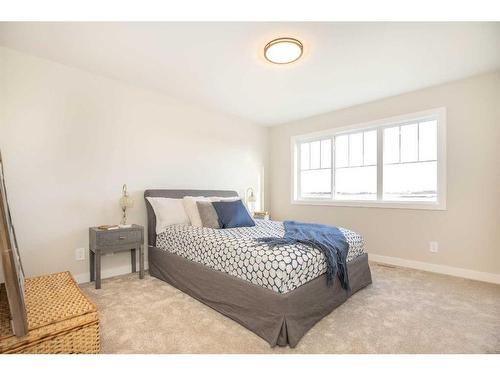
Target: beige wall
468 232
71 139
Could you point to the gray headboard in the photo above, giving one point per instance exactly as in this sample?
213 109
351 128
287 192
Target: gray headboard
166 193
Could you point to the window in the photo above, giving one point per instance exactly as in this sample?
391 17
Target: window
410 162
316 168
396 162
356 166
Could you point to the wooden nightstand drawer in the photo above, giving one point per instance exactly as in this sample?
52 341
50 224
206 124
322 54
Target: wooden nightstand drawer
118 237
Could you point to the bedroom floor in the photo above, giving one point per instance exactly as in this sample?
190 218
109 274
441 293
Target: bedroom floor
403 311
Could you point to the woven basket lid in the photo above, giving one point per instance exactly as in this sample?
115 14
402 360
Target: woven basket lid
49 299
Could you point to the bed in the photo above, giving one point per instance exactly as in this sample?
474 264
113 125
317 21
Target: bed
279 294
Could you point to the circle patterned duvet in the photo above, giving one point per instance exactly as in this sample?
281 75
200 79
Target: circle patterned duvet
236 252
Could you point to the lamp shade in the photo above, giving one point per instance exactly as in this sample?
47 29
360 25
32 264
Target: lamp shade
126 201
250 195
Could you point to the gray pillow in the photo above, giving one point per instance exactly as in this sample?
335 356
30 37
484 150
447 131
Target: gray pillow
208 215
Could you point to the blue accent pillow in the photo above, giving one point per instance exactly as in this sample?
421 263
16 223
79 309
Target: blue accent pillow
233 214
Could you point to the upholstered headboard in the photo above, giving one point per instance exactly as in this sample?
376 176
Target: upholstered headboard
166 193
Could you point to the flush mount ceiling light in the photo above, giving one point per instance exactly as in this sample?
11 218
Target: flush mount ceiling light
283 50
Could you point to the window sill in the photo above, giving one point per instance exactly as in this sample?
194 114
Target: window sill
372 204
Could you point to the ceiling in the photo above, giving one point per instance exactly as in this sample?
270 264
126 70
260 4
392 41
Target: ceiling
220 66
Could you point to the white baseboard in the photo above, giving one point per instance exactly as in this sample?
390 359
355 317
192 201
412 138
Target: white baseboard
437 268
108 272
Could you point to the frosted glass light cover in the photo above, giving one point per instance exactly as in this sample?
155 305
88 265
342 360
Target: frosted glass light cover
283 50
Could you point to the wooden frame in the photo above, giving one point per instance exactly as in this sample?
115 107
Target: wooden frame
11 262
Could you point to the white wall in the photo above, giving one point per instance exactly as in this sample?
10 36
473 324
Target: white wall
468 232
71 139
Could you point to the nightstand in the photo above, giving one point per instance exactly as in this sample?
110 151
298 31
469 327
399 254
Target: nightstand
111 241
263 215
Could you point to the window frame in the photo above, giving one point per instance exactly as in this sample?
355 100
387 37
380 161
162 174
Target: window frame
438 114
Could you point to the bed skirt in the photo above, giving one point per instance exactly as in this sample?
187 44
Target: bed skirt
280 319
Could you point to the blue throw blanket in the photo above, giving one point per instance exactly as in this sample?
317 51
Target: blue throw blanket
330 240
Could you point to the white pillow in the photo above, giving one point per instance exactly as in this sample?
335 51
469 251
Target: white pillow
223 199
168 211
192 209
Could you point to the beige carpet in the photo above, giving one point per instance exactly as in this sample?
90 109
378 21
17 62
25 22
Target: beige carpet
403 311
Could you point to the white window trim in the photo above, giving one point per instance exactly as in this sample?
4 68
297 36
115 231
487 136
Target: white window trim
439 113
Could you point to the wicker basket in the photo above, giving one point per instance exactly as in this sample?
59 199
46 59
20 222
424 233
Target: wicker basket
61 319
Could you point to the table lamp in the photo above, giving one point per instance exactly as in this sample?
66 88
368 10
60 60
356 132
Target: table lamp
250 198
125 202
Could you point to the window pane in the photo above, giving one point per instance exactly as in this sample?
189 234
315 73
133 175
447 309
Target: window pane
358 183
341 150
316 183
409 143
315 154
304 156
428 140
410 182
326 153
355 149
370 154
391 145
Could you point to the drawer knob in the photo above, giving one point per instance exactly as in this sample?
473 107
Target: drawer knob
121 237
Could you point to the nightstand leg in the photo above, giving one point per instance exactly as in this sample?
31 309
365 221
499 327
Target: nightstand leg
132 257
92 265
141 262
98 269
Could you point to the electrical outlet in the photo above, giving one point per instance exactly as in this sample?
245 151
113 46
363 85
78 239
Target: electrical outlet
433 246
80 254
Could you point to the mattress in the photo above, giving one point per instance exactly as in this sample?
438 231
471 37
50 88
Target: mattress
236 252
